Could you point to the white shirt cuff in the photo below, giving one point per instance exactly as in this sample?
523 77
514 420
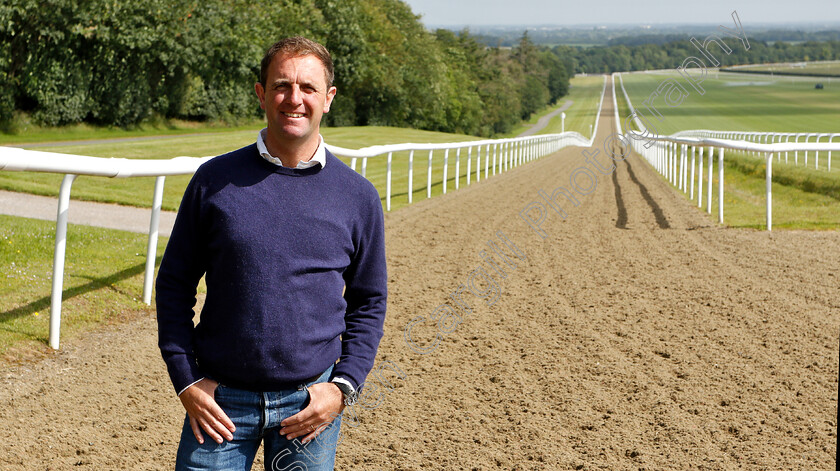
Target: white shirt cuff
188 386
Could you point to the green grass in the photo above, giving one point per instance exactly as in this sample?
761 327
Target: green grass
103 282
623 109
803 198
22 130
800 68
586 93
742 103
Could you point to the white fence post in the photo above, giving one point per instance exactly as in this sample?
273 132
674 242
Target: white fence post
720 185
151 246
709 189
445 168
691 185
469 165
487 161
477 164
457 167
429 176
388 182
769 184
700 179
496 152
410 175
58 259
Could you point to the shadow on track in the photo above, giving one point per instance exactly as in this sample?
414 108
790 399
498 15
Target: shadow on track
661 220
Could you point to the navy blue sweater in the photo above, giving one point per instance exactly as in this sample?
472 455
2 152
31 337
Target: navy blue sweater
278 246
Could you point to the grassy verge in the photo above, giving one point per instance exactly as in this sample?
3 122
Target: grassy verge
22 130
623 108
103 282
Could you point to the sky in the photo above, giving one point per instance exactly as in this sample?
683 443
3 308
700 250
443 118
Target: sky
565 12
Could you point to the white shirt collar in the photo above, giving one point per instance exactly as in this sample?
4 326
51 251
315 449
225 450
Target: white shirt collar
320 156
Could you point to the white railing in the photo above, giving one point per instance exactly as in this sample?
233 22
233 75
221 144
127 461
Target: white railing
598 113
14 159
772 138
636 119
499 155
669 156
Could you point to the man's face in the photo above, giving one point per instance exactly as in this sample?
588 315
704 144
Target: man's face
295 98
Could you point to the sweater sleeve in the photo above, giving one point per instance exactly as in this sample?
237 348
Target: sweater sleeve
366 280
180 271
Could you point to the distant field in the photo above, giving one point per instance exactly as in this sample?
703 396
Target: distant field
744 103
585 92
798 68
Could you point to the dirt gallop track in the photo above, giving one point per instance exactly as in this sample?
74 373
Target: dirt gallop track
637 334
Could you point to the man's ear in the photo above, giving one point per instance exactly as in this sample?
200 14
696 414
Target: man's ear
330 95
260 94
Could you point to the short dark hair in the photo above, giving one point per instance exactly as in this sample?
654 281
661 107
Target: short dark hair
297 46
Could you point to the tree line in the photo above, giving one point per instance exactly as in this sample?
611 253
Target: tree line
119 62
633 57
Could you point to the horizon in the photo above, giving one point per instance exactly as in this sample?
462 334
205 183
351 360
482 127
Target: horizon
786 25
445 13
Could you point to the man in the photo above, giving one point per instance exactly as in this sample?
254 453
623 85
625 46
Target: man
291 243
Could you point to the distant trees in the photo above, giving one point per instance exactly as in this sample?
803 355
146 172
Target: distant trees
116 62
629 56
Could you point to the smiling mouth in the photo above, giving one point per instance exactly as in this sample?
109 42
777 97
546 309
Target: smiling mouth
293 115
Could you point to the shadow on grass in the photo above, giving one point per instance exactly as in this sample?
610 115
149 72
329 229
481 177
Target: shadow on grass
93 285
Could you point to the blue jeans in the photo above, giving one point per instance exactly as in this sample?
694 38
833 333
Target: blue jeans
257 418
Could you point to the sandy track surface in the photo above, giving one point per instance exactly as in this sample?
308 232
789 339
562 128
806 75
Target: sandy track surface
636 335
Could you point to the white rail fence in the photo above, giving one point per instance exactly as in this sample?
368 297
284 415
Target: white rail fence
772 138
492 156
669 155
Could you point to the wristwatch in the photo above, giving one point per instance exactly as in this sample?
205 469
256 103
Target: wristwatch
350 395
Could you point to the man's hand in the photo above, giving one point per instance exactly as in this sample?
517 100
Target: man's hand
326 402
205 414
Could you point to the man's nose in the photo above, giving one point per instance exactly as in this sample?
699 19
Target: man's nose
294 96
